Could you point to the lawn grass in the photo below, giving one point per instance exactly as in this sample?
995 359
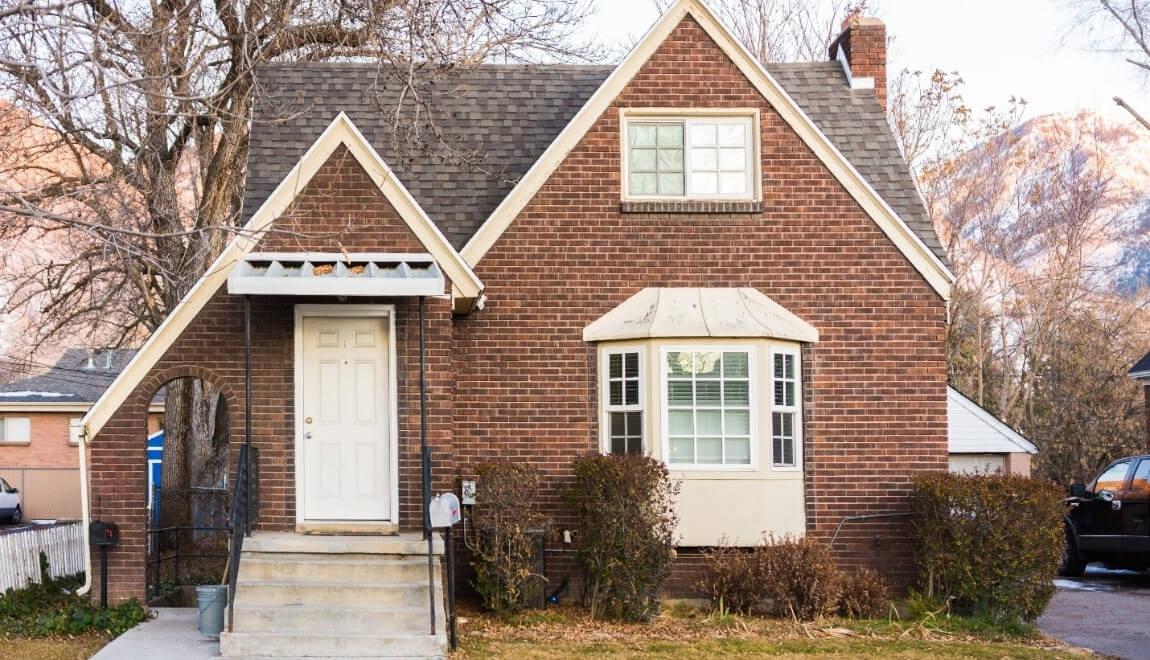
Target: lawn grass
683 632
53 648
748 648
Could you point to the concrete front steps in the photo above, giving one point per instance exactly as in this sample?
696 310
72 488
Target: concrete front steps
310 596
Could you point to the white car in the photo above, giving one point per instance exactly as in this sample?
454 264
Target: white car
9 503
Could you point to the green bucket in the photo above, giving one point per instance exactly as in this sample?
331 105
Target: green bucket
212 600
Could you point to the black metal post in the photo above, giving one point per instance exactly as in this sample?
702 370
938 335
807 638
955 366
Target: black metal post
425 452
449 547
104 577
247 397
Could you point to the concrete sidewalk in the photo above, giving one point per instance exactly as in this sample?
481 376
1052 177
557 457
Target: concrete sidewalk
171 635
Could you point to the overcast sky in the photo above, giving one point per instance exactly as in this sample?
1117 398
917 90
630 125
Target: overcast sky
1000 47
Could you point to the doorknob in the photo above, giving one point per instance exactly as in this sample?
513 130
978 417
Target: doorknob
307 435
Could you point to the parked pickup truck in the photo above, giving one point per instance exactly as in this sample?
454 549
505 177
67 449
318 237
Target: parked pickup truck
1108 519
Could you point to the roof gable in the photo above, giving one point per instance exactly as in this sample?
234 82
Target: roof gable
920 255
341 132
971 429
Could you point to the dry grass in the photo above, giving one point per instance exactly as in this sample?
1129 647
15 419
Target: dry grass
53 648
688 633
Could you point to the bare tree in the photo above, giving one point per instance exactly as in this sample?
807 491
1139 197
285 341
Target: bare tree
1121 27
126 132
784 30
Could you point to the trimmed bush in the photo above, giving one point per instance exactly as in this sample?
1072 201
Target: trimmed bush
625 506
505 545
989 543
793 578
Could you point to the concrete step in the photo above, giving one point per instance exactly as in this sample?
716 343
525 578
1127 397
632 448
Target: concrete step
319 644
289 592
343 618
330 568
287 542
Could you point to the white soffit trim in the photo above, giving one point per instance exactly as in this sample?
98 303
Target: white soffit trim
729 313
971 429
1143 376
341 131
937 275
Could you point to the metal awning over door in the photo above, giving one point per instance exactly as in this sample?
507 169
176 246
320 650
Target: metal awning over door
337 274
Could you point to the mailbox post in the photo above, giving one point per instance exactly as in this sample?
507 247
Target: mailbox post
443 513
104 535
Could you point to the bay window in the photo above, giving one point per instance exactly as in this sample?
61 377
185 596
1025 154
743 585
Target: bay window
785 419
708 406
624 402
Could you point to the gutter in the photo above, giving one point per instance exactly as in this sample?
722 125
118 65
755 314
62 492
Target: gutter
85 514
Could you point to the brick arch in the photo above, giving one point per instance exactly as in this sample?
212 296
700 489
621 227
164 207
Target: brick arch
161 377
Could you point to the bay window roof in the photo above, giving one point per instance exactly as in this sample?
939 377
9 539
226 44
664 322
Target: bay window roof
699 312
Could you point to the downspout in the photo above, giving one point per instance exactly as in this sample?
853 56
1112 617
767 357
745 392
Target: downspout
85 515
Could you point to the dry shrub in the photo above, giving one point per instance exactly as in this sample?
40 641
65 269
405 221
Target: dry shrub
864 594
504 547
793 578
627 524
733 578
989 543
799 578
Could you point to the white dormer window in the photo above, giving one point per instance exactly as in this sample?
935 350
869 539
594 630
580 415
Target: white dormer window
710 157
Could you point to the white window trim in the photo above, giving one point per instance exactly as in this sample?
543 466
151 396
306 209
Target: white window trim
605 407
686 116
797 409
8 433
752 408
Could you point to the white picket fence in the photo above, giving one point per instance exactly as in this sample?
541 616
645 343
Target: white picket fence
20 553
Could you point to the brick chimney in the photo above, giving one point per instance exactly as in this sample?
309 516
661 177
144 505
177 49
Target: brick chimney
862 49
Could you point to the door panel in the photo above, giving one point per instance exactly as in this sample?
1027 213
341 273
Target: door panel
1136 509
1100 522
346 419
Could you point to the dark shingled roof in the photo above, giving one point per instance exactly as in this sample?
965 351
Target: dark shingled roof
1141 366
495 121
79 376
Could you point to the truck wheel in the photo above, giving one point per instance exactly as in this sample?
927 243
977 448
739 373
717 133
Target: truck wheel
1072 565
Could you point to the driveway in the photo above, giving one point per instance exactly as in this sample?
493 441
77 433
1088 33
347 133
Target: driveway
1106 611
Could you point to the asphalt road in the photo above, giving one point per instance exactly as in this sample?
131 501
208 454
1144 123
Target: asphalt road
1106 611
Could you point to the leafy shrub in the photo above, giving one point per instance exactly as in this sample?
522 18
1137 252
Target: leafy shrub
625 506
989 543
507 523
52 607
864 594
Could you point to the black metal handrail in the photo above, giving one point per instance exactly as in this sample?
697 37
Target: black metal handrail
245 500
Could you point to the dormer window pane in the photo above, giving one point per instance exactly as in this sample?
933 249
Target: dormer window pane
693 158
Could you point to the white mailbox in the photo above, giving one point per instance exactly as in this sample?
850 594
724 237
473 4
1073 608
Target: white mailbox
444 510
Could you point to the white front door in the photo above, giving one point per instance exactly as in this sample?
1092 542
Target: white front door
346 427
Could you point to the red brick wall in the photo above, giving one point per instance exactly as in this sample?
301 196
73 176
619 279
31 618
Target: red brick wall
863 41
48 446
340 209
875 395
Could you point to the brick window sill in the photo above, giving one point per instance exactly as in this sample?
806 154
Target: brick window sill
690 206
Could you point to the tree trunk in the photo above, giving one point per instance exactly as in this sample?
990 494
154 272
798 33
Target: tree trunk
175 481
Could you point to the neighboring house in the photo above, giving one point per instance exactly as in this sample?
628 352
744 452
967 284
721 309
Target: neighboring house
39 423
687 255
980 442
1141 372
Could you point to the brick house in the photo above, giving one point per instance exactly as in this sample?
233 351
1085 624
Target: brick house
39 427
1141 372
722 265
